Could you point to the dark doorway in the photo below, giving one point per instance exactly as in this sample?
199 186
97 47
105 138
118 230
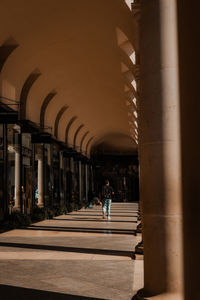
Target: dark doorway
122 172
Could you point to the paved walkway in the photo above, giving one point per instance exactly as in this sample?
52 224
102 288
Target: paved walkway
74 256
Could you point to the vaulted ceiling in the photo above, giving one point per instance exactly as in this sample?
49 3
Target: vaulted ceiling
72 67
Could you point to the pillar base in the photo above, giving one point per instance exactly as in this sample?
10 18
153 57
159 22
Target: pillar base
139 249
141 295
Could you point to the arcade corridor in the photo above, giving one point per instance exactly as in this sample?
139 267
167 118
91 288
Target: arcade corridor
85 85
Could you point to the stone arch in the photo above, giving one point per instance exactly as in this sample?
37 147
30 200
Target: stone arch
125 59
59 115
6 49
82 140
25 90
128 87
76 133
124 43
68 128
88 143
7 89
45 103
131 98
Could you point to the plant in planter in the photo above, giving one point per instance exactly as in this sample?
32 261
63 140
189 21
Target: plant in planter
15 220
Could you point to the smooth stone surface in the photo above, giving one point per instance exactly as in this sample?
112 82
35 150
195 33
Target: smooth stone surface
76 256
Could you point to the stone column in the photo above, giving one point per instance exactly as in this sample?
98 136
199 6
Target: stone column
189 64
159 139
40 180
17 180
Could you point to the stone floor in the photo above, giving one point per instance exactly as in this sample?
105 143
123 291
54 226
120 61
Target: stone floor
74 256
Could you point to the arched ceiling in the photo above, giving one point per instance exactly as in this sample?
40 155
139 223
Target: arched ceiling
75 50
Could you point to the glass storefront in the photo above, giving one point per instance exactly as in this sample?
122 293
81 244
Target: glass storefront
56 167
23 161
13 150
9 155
83 181
48 197
68 183
27 178
62 179
76 180
1 170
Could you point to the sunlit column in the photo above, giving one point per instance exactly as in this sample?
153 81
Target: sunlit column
159 139
40 181
17 180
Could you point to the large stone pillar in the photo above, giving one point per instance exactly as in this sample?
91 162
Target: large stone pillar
159 139
189 64
17 180
40 181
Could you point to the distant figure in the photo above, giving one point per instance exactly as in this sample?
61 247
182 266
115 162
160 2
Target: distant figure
107 193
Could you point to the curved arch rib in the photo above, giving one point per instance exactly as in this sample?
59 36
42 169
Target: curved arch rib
58 117
25 90
6 49
45 103
82 140
76 133
88 143
68 128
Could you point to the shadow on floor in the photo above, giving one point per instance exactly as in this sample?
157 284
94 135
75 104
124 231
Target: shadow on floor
69 249
83 230
99 215
80 228
93 220
8 292
113 210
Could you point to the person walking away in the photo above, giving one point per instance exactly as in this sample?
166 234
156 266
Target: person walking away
107 193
